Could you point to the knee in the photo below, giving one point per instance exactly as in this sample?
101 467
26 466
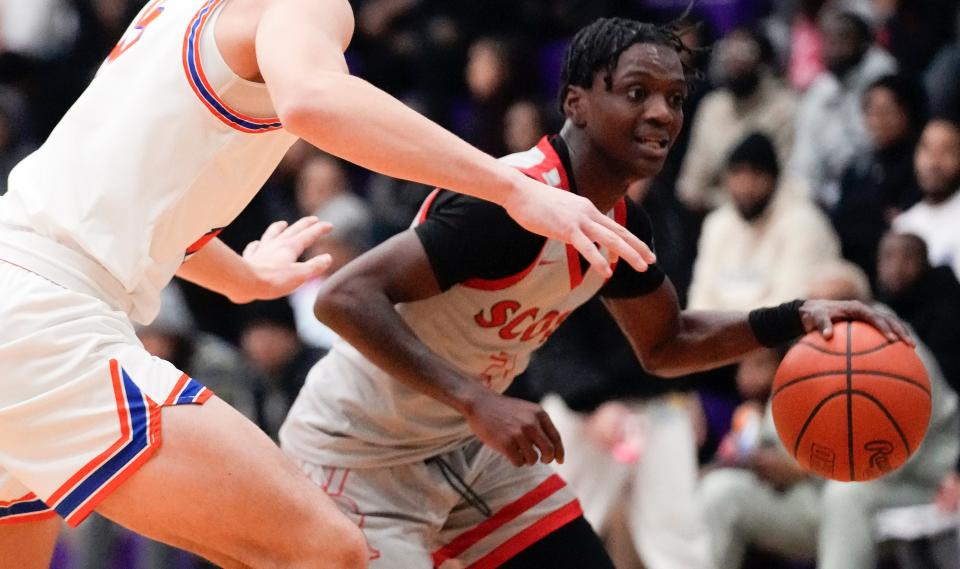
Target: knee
345 547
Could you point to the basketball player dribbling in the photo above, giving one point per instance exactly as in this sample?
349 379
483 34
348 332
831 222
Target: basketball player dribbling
183 123
403 423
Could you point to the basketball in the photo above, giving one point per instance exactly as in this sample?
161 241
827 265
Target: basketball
851 408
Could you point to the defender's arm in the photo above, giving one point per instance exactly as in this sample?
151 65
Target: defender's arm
299 49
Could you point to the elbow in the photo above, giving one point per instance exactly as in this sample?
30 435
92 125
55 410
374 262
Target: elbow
333 299
299 109
302 106
655 363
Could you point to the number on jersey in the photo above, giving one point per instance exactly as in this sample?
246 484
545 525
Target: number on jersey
150 12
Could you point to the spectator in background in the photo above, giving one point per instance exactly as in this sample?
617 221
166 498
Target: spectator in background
749 98
880 183
768 501
493 82
914 31
323 190
761 247
936 219
269 341
928 298
15 142
830 125
941 77
524 125
41 29
806 45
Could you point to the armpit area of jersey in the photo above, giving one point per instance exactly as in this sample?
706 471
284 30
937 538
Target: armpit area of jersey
467 238
626 281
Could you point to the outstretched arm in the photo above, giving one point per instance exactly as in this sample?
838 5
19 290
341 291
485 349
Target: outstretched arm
670 342
299 48
269 267
358 302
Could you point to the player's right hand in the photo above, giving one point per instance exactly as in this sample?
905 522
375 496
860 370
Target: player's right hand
516 429
573 219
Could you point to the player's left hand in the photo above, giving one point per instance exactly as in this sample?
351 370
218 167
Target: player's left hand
573 219
275 257
819 315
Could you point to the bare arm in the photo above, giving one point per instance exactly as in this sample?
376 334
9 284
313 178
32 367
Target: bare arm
671 343
269 268
358 302
299 49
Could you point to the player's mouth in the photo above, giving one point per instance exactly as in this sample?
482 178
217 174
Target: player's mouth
654 145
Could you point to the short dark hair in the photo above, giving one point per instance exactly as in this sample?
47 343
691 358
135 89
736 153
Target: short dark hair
598 47
909 96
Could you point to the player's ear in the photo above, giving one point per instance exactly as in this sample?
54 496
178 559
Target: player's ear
575 105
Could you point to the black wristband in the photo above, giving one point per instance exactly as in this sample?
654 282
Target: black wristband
774 327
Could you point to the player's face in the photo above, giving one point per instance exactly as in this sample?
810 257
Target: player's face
638 119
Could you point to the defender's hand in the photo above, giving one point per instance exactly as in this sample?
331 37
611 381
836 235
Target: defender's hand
274 259
515 428
573 219
821 314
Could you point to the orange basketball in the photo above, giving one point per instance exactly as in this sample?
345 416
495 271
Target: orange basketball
852 408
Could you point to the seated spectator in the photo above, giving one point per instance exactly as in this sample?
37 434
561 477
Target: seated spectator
880 184
940 78
523 126
766 500
830 125
913 32
749 98
269 340
928 298
806 45
935 219
323 190
760 248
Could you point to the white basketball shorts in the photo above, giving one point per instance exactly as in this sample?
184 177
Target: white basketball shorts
80 399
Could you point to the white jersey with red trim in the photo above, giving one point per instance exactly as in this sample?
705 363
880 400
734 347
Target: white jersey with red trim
165 147
351 413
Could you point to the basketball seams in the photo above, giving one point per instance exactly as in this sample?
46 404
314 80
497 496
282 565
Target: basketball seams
829 352
868 372
812 416
853 475
882 407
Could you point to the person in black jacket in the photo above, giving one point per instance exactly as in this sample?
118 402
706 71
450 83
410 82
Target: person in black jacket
880 183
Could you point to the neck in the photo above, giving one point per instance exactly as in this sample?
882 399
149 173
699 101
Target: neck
939 197
599 178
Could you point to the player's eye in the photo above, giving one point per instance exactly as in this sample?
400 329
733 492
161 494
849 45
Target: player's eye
676 100
636 94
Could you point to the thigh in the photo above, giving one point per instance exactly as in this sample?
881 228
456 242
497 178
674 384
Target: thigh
28 545
517 508
219 487
400 509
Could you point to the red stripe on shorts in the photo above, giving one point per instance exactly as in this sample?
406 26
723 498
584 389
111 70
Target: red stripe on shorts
529 536
507 514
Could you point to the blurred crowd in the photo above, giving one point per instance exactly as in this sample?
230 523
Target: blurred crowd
820 158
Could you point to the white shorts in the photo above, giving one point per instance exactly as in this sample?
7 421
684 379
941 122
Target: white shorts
469 508
80 399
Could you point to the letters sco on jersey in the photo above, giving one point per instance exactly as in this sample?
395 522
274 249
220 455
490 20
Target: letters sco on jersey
514 321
